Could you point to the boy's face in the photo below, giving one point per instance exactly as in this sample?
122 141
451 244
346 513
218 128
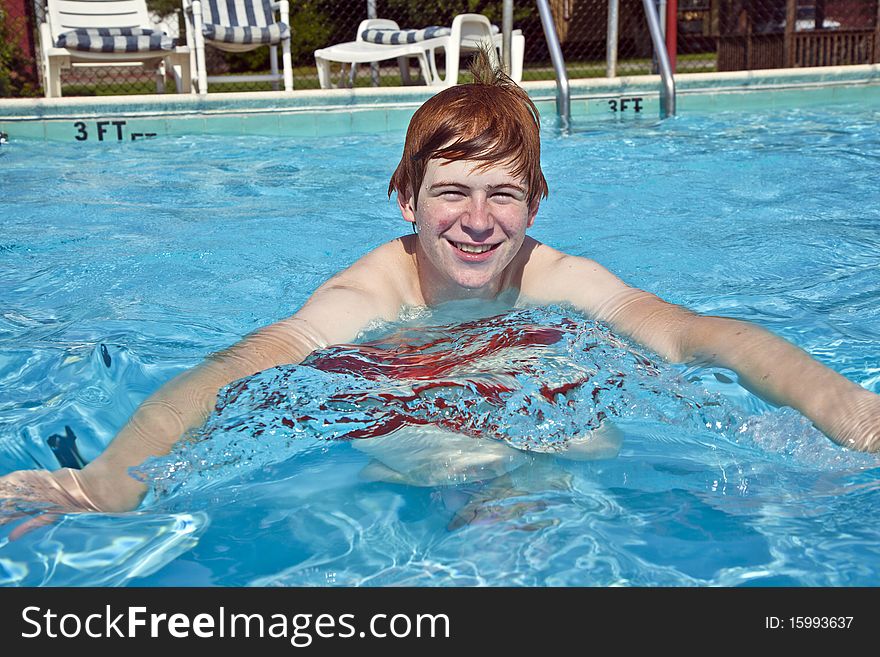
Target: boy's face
471 223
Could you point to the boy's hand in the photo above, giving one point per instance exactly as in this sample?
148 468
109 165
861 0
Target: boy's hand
860 422
25 492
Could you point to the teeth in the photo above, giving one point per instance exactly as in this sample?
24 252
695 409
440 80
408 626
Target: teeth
468 248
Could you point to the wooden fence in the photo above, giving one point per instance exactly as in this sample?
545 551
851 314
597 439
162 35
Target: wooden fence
808 48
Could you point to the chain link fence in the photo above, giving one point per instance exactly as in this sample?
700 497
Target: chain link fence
712 35
18 73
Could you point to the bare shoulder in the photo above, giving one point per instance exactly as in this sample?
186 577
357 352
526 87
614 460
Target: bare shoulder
372 289
387 256
392 252
552 276
385 272
375 287
544 260
557 277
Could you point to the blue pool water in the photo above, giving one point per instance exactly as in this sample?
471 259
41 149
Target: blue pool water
121 266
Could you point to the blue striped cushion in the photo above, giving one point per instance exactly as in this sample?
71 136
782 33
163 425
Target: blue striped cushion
404 36
242 21
115 39
271 34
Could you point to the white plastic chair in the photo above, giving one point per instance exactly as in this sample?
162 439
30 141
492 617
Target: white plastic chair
360 52
226 27
127 25
468 31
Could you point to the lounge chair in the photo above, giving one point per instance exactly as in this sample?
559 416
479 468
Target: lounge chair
380 39
107 33
239 26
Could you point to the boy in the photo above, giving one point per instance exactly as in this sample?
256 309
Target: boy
470 182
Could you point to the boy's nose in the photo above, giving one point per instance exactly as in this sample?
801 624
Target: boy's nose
477 218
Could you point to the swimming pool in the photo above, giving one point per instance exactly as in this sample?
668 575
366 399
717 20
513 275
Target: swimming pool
122 266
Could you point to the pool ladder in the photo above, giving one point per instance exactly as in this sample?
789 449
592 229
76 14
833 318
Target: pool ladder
563 91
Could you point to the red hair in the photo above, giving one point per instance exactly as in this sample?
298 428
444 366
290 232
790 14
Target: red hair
492 121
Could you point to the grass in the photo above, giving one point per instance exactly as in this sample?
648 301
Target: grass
691 63
305 77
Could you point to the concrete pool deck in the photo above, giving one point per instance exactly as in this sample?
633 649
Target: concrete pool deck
333 112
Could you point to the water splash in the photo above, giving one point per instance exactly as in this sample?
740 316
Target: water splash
535 379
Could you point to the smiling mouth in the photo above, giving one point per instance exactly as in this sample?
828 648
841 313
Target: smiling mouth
473 248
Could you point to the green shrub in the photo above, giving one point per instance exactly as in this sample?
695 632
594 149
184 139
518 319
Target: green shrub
417 13
14 82
311 30
163 8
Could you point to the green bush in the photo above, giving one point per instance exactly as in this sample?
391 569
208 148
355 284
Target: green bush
417 13
163 7
311 30
13 62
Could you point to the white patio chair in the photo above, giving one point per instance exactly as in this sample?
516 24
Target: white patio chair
226 25
107 33
388 41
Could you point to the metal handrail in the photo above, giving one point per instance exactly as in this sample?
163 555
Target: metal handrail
611 39
667 90
563 91
507 34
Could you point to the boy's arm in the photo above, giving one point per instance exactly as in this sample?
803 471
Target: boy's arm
766 364
335 313
786 375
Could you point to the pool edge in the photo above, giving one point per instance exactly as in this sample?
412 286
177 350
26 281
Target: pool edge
319 113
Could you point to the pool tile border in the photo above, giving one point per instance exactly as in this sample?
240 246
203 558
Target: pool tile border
335 112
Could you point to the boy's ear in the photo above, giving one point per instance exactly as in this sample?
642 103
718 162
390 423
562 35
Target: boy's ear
533 212
404 201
